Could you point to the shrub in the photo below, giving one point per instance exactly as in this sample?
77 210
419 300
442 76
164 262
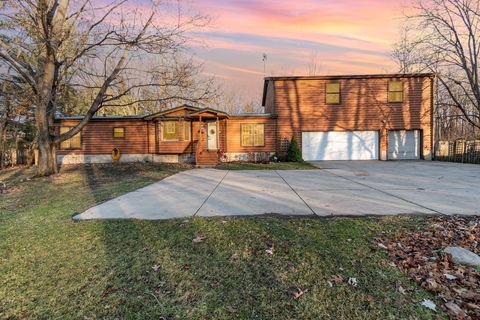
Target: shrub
293 153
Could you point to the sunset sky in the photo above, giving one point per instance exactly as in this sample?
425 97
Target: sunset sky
342 36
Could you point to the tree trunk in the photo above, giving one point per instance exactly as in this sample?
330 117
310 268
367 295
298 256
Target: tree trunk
3 130
46 146
47 163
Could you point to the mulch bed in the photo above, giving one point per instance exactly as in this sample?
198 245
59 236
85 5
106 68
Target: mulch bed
419 254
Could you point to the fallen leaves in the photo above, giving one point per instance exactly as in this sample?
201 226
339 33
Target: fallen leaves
352 281
419 254
429 304
198 239
270 250
296 292
337 279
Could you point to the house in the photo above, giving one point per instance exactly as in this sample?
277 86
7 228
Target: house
355 117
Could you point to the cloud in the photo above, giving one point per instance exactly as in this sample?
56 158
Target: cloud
343 36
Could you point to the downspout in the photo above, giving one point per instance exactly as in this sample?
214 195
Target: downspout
432 123
156 137
148 141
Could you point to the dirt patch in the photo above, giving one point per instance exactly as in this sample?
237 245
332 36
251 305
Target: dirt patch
419 254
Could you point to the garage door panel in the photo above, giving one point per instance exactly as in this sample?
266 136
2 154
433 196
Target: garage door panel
335 145
404 144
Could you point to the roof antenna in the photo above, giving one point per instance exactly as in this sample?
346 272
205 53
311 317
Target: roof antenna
264 59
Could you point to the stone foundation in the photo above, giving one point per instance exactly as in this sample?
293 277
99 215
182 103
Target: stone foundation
101 158
126 158
249 156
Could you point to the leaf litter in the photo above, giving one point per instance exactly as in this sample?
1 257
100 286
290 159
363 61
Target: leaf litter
419 254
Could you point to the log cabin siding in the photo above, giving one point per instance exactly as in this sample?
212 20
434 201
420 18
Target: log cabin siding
97 137
234 134
180 146
300 106
293 105
269 96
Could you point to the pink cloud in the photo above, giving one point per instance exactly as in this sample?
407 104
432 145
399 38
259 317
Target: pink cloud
346 36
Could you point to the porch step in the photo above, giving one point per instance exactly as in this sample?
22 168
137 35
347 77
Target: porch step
204 166
207 158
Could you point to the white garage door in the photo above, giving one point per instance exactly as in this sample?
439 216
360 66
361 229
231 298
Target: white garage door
403 144
334 145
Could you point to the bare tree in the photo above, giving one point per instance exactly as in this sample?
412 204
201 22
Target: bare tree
446 42
405 52
52 44
313 66
14 111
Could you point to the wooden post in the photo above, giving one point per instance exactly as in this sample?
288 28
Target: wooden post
218 134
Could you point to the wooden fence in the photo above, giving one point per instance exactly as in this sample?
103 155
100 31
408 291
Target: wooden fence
464 151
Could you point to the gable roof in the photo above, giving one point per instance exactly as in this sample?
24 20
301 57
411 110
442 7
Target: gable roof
190 111
208 110
171 110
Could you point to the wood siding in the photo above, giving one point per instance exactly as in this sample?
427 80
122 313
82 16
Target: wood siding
297 105
301 106
180 146
97 137
269 96
233 138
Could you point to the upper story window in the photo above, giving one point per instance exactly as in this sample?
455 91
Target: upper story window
253 135
332 90
395 91
170 130
74 142
119 132
186 131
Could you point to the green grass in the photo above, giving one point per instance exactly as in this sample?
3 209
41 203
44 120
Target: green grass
53 267
267 166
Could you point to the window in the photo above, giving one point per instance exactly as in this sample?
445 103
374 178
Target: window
395 91
332 92
170 131
119 132
186 130
74 142
253 135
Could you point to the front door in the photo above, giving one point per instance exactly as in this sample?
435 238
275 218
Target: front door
211 136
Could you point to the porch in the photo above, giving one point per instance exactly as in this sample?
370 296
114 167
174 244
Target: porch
192 133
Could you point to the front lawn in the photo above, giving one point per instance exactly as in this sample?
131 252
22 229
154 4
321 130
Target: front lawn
266 166
236 268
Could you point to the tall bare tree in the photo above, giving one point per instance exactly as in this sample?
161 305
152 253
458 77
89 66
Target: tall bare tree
52 44
15 111
446 40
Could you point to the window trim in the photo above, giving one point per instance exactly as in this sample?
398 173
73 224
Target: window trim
253 134
69 140
402 91
189 130
339 93
162 127
113 132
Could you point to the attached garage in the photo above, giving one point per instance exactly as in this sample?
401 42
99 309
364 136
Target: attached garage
340 145
404 144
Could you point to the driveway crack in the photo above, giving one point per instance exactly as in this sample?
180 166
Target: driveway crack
384 192
206 199
313 212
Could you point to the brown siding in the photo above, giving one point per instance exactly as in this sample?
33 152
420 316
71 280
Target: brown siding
234 134
270 97
97 137
300 106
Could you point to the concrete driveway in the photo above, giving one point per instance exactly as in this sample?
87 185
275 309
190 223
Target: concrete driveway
337 188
